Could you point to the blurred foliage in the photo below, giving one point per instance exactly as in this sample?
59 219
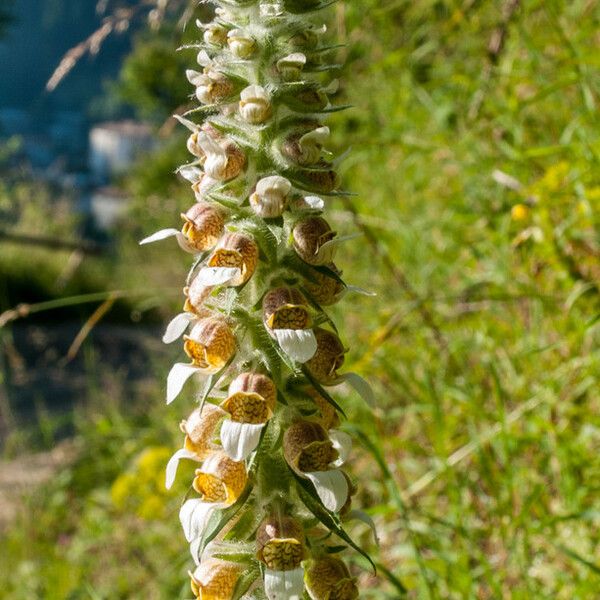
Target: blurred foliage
475 163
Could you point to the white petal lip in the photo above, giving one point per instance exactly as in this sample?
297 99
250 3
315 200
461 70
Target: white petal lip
299 344
332 488
194 515
240 439
365 391
211 276
177 326
163 234
284 585
342 442
176 379
191 174
173 463
314 202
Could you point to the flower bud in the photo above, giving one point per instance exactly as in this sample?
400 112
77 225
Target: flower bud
223 161
322 181
307 447
240 43
215 579
270 197
203 226
251 398
211 344
211 86
199 429
329 357
255 105
220 479
324 289
215 34
290 67
286 308
328 578
307 39
193 144
236 250
280 543
306 149
311 237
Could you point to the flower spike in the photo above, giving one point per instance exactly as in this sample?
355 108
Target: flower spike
266 438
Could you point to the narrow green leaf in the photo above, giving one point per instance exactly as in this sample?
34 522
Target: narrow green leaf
311 501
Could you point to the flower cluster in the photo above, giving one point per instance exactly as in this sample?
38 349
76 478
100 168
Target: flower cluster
270 489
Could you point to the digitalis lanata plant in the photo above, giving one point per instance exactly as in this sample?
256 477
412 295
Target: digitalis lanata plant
266 510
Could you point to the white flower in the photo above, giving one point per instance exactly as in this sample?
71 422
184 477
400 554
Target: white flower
240 43
311 145
269 199
287 318
211 86
163 234
214 34
284 585
255 105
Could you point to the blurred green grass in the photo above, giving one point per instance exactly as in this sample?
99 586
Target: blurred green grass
482 343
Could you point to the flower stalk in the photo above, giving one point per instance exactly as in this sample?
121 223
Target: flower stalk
254 326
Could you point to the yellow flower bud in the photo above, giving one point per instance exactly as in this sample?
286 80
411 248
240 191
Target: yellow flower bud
203 226
328 578
307 447
220 479
240 43
280 543
211 344
251 398
215 579
329 357
286 308
310 236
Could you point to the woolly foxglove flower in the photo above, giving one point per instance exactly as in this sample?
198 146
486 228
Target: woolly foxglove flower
232 262
250 404
324 289
220 482
223 161
199 429
270 197
327 578
310 452
255 104
211 86
215 579
280 544
240 43
287 318
313 240
211 345
329 357
306 149
214 34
